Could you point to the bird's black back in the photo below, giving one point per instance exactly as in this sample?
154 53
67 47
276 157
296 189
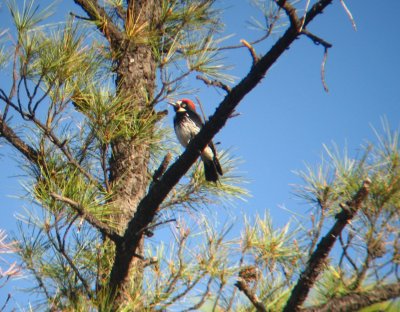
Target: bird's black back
181 116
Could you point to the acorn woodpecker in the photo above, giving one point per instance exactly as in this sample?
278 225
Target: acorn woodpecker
187 123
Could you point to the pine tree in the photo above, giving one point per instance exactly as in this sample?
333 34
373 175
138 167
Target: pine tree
82 112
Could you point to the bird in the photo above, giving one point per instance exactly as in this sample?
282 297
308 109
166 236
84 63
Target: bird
187 123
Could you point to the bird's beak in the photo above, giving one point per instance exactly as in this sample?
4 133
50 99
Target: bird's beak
177 107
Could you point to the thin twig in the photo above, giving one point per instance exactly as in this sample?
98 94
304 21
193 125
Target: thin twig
62 251
304 16
101 226
80 17
215 83
319 41
323 70
346 9
345 253
252 51
6 302
203 298
205 119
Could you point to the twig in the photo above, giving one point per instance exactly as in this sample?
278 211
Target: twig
346 9
218 297
319 41
80 17
62 146
323 70
215 83
101 226
243 287
318 258
345 254
60 248
203 298
304 16
252 51
161 169
205 119
6 302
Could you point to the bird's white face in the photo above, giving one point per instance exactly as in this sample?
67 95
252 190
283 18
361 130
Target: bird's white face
180 107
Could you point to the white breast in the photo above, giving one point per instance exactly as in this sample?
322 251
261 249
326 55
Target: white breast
186 130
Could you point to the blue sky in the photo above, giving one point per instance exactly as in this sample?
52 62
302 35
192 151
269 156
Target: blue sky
287 118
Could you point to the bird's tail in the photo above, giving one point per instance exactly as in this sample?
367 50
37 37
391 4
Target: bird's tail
212 168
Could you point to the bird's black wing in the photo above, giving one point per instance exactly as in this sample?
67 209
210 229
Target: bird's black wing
195 118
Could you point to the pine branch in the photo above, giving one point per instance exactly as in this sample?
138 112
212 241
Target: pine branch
148 206
318 258
101 226
357 301
9 134
104 22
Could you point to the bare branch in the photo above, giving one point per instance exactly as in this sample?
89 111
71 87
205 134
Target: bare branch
346 9
319 41
215 83
323 70
242 286
357 301
101 226
318 258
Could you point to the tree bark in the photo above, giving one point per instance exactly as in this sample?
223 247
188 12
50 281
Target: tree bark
136 76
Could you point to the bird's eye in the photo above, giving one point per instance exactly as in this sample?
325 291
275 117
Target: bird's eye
184 105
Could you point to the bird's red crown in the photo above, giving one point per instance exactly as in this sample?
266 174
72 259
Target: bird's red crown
189 103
